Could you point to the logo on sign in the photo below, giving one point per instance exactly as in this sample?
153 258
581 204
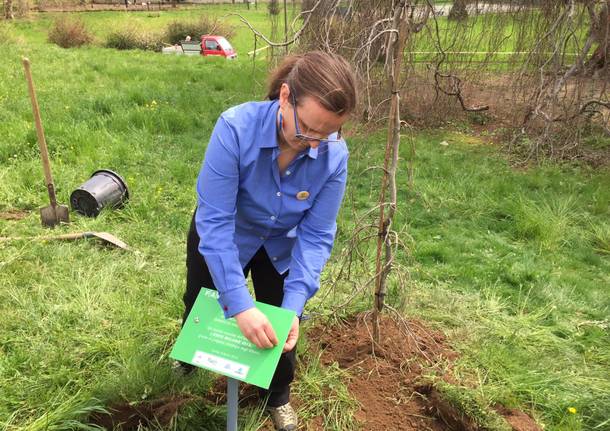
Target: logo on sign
221 365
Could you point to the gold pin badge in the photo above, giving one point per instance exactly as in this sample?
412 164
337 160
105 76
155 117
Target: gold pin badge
302 195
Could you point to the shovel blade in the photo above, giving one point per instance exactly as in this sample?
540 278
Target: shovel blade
51 216
110 240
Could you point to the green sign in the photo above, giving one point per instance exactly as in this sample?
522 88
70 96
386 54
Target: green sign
210 341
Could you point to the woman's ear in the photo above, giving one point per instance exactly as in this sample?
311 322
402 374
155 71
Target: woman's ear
284 94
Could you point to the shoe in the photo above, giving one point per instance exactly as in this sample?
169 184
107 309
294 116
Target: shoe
284 417
183 369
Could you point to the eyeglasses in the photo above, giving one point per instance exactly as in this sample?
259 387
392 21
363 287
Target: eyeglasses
304 137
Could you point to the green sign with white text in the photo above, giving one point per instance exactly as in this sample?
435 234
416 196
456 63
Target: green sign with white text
210 341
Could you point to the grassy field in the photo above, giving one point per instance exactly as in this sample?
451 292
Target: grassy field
495 42
103 23
513 265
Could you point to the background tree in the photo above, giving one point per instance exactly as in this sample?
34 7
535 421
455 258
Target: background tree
273 8
8 9
458 11
599 32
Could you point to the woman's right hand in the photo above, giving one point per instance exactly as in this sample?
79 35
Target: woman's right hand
256 327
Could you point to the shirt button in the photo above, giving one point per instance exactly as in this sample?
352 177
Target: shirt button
262 238
278 194
274 258
272 217
288 172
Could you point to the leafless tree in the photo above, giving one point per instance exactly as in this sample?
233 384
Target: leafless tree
564 79
373 35
384 256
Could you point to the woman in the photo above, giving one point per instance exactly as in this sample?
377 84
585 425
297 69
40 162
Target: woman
269 192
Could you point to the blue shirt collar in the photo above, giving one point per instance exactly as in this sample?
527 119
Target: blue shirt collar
268 136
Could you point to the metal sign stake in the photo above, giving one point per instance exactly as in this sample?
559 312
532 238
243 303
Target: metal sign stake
232 403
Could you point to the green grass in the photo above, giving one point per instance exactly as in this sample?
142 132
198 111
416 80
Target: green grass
513 265
323 392
492 42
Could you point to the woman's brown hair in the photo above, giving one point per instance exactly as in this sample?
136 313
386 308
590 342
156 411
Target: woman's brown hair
327 78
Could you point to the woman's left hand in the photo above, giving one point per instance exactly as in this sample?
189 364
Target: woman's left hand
293 336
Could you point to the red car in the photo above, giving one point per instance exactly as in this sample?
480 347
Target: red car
217 45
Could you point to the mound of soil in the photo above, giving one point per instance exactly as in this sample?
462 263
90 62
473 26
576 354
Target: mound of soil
387 380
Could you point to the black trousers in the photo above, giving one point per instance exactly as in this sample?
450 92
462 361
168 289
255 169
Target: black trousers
268 287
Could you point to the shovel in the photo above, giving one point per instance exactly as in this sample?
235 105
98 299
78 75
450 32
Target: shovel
105 237
53 214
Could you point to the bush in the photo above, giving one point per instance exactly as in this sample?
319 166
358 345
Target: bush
69 33
178 30
133 38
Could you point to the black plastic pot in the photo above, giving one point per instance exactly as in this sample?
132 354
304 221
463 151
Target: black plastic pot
104 189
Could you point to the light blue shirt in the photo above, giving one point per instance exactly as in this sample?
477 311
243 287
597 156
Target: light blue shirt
244 203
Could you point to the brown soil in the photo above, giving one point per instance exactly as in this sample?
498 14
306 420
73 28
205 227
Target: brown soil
387 382
13 215
132 416
518 420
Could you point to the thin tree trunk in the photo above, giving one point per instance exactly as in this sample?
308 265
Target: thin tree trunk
395 55
285 26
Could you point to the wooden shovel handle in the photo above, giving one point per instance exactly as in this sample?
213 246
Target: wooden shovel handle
42 143
67 236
